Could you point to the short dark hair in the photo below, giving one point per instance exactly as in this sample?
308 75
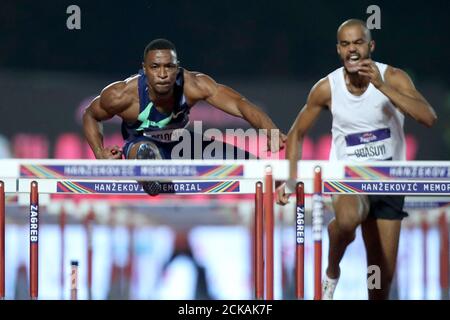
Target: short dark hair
159 44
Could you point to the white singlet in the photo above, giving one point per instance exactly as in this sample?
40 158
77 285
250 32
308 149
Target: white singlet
366 127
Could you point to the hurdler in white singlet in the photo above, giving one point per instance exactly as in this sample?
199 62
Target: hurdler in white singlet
366 127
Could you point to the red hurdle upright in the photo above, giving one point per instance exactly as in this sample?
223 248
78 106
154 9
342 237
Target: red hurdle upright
300 242
62 223
88 226
269 228
34 240
259 242
74 280
425 227
317 222
444 252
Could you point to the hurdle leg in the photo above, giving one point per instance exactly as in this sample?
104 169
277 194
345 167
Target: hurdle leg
34 240
74 280
317 222
300 242
62 223
283 249
259 243
424 226
444 256
88 226
2 240
269 231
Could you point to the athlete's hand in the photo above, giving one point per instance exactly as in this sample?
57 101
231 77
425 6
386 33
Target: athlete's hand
368 68
114 152
282 138
282 197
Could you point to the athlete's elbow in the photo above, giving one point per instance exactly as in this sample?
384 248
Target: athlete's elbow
87 115
295 135
430 120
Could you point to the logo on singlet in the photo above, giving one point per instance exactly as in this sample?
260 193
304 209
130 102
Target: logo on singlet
169 135
367 137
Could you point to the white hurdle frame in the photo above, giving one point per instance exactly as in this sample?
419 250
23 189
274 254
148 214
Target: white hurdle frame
219 176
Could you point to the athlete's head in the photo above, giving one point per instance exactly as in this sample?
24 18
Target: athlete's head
160 65
354 43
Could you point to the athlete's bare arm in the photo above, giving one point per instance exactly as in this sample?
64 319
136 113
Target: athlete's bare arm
318 99
113 100
202 87
400 89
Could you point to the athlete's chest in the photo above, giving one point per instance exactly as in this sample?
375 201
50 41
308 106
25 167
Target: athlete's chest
131 114
371 109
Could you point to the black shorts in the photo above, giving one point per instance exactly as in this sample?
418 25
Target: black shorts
387 207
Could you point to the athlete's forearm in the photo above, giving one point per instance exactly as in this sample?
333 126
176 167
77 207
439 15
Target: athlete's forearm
294 152
418 109
93 131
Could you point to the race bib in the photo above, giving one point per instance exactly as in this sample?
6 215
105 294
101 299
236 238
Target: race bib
373 145
168 135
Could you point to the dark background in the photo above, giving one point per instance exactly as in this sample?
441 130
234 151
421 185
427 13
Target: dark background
270 51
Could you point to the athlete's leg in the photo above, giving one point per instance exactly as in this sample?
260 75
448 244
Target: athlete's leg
381 234
381 238
146 150
350 211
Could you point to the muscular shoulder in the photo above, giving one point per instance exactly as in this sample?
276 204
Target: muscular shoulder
117 96
321 93
198 86
397 77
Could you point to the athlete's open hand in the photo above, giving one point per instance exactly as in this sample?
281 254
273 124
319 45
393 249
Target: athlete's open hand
114 152
369 69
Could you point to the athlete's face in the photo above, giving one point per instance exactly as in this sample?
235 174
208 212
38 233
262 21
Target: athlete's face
161 67
353 46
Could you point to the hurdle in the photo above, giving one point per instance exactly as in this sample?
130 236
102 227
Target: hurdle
444 255
300 242
221 177
74 280
89 244
34 240
48 185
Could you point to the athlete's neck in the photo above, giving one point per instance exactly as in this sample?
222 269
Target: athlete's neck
356 81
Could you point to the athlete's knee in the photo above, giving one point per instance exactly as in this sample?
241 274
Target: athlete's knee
346 234
348 222
148 150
